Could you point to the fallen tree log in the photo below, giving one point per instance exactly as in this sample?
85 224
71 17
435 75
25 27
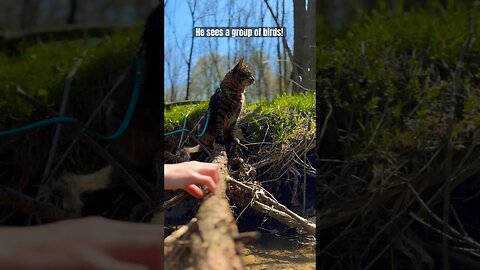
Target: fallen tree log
214 239
213 245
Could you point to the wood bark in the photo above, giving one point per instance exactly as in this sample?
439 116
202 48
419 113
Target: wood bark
299 18
29 13
213 246
303 70
71 19
192 8
310 50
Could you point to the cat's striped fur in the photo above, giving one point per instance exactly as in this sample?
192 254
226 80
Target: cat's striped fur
225 107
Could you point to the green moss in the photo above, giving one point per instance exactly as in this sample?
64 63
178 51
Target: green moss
388 71
175 116
285 117
41 69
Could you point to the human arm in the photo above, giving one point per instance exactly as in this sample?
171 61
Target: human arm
85 243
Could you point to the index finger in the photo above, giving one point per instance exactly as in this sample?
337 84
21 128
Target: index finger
205 180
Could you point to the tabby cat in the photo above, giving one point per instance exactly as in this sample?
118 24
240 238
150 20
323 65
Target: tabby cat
225 106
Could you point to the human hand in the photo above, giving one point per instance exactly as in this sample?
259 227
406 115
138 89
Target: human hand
86 243
187 175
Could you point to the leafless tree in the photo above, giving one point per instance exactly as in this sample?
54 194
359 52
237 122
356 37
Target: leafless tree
203 65
286 49
29 13
192 6
262 90
310 45
304 45
173 71
337 13
279 54
205 75
72 12
213 42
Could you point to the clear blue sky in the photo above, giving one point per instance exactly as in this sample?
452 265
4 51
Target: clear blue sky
178 23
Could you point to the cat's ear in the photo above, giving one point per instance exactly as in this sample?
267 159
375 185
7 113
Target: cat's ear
240 64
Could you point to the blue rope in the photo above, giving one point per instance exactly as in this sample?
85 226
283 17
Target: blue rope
123 125
191 132
131 107
38 124
219 90
66 119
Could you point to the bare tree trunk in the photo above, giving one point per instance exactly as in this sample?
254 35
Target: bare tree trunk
261 79
300 14
279 57
214 48
303 70
29 14
310 59
336 13
230 4
192 8
189 68
284 59
72 12
286 48
172 79
392 6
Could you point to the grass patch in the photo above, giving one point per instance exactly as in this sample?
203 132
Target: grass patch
285 117
390 73
175 116
40 70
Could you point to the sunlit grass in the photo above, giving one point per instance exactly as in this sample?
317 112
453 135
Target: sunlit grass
41 69
285 117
